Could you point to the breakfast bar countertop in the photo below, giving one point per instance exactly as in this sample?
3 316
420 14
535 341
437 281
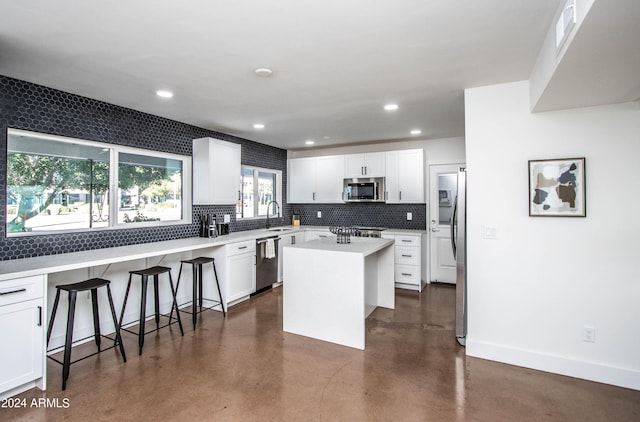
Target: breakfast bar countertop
26 267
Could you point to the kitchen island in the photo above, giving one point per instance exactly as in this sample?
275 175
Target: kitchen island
330 288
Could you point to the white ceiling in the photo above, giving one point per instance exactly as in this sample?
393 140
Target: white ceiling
336 62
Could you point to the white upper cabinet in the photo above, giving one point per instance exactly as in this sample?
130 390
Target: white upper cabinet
405 177
301 180
315 180
216 172
329 179
364 165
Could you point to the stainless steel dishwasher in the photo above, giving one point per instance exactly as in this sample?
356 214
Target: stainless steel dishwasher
266 268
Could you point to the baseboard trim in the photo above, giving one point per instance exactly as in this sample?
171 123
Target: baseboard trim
607 374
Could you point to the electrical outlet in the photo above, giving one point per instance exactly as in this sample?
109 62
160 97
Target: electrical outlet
589 334
319 214
409 216
227 218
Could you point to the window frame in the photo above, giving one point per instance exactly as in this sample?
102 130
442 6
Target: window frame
278 185
114 151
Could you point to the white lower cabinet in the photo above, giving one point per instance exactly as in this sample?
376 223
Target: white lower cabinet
236 268
22 320
408 260
242 276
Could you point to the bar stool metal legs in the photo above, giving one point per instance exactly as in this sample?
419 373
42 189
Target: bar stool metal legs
197 298
155 272
73 289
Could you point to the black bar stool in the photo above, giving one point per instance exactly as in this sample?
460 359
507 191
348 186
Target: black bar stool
73 289
197 286
155 272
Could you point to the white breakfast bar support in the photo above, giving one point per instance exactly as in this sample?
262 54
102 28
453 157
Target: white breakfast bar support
330 289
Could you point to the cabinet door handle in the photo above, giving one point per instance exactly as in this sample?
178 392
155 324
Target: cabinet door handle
39 316
314 196
400 193
365 170
407 256
239 196
10 292
293 240
362 171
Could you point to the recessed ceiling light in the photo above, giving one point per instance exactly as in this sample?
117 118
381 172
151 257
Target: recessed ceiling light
258 126
164 94
309 142
264 72
391 107
416 132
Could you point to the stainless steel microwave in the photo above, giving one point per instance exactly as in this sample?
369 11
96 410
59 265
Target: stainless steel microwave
364 190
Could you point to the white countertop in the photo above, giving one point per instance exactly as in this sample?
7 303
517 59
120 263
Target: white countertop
360 245
26 267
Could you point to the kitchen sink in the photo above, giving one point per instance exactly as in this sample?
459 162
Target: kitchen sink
280 229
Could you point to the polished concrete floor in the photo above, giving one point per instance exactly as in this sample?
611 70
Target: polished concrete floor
244 368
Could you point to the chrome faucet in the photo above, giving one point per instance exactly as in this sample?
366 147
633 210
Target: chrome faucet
269 207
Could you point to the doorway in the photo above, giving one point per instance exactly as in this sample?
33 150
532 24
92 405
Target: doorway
443 185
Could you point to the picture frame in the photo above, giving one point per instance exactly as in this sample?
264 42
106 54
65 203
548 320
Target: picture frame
557 188
444 197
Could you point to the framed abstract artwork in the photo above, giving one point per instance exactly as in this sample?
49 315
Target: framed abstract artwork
557 188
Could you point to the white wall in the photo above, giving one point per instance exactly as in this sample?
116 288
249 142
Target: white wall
531 291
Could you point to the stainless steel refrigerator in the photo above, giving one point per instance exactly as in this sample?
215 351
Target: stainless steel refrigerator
459 245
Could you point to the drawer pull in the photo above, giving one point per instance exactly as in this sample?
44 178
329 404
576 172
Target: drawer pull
407 256
13 291
322 235
407 240
407 274
242 247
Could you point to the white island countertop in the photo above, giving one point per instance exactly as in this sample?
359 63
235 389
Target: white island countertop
360 245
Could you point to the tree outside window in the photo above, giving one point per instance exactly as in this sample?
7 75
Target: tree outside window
59 184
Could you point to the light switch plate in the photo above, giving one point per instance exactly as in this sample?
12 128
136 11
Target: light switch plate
319 214
489 232
409 216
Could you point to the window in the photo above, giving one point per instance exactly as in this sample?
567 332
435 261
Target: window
57 184
259 188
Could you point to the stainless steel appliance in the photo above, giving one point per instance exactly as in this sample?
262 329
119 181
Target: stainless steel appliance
364 190
459 245
266 263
